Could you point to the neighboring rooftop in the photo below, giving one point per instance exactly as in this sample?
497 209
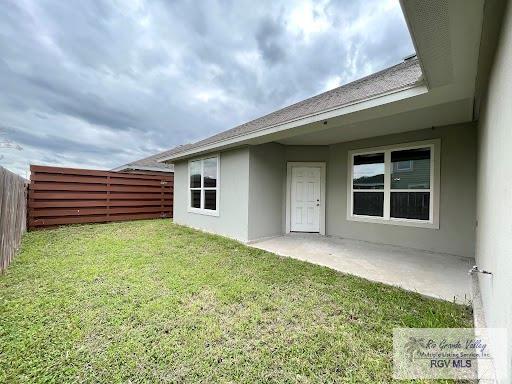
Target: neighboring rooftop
147 164
400 76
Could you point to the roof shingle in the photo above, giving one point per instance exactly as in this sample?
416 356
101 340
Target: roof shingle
150 161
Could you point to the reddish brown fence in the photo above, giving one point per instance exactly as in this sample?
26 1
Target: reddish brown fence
68 196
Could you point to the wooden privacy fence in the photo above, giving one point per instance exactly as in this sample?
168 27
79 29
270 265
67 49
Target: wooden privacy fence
13 214
69 196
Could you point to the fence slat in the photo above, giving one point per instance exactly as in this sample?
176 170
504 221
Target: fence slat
13 212
90 172
60 196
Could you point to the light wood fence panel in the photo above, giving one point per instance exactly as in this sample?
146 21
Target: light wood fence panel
13 215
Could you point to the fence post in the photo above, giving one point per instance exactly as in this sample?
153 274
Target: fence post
162 189
108 197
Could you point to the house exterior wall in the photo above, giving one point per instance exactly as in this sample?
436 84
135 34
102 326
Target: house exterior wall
234 190
253 192
310 153
456 233
267 175
494 203
267 185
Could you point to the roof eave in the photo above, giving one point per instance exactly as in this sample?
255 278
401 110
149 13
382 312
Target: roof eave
361 105
120 168
414 43
141 168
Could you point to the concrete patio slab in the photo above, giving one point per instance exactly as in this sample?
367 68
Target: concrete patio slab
436 275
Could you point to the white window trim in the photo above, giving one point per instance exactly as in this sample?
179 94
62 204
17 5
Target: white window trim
408 169
201 210
435 166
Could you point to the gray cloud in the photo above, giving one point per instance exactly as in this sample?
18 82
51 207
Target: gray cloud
268 37
100 83
57 143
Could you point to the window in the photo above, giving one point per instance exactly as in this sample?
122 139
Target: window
394 185
204 185
410 190
368 184
402 166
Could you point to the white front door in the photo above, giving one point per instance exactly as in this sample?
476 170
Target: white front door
305 199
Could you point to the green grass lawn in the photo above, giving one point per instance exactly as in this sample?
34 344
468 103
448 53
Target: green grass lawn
150 301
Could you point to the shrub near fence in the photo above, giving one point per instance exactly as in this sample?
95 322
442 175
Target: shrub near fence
13 214
68 196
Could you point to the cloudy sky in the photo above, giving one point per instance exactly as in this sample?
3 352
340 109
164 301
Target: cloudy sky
98 84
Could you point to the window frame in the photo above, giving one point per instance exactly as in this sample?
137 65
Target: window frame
202 188
408 169
368 190
435 151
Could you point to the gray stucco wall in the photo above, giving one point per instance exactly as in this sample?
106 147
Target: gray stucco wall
267 175
267 185
234 189
494 204
307 153
253 192
456 233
